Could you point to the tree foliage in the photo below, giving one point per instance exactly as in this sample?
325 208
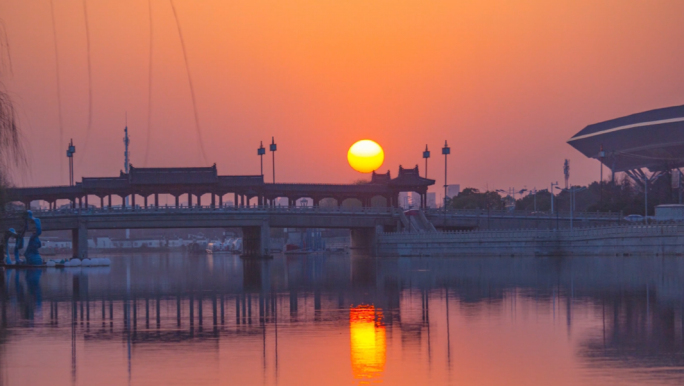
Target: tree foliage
471 198
622 196
11 152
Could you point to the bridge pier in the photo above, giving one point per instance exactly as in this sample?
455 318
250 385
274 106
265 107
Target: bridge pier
365 238
79 241
256 240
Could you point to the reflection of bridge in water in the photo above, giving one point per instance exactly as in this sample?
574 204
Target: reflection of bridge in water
171 298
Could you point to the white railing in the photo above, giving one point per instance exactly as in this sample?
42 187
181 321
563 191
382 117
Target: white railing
209 209
579 216
580 233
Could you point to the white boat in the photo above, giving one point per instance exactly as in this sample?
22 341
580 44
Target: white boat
231 245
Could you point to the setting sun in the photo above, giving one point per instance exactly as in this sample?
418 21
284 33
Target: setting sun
365 156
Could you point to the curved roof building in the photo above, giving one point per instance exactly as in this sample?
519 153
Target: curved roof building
652 139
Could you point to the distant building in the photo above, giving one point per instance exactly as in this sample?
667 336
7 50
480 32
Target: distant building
305 202
408 200
453 190
432 200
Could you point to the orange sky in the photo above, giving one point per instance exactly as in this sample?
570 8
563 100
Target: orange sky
505 82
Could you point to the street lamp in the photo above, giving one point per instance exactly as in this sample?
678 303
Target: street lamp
552 195
426 155
572 201
601 156
260 152
503 199
70 154
446 150
273 147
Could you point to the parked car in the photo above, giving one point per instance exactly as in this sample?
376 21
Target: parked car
634 218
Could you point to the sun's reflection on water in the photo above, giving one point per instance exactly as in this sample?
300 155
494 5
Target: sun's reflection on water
368 344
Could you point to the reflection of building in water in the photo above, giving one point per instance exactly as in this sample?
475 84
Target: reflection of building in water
639 333
368 344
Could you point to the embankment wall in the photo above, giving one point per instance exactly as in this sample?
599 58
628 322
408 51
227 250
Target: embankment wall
652 240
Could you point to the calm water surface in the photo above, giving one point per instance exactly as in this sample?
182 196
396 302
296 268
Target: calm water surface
174 319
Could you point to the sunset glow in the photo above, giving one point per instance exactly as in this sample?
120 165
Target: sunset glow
368 344
505 84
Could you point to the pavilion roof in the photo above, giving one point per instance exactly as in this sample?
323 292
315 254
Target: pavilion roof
240 180
172 176
410 177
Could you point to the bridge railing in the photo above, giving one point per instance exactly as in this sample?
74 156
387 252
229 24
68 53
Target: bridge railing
209 209
611 216
567 234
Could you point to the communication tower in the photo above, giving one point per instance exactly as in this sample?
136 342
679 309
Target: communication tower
126 142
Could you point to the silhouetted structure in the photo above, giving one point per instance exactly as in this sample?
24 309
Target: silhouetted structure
196 182
651 139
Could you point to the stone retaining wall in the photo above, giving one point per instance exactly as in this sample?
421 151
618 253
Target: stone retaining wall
653 240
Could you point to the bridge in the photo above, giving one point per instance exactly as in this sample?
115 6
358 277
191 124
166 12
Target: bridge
255 222
366 209
364 222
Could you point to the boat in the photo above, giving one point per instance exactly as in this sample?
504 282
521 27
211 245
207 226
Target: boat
29 266
229 246
293 249
75 262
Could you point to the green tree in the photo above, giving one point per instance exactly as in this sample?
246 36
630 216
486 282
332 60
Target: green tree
471 198
543 201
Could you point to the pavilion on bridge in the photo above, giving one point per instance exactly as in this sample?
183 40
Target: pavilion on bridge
196 182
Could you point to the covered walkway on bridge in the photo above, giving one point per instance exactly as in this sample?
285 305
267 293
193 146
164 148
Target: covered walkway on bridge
194 183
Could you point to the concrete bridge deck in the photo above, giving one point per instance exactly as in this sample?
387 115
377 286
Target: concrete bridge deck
364 222
207 217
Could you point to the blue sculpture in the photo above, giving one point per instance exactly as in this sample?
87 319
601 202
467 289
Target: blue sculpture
32 255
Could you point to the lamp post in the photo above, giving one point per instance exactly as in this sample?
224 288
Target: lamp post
260 152
679 185
70 154
572 201
601 156
446 150
426 155
503 199
273 147
645 199
552 195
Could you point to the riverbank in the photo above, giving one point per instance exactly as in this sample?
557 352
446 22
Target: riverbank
648 240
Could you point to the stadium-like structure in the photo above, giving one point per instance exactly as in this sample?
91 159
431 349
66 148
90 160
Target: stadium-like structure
651 139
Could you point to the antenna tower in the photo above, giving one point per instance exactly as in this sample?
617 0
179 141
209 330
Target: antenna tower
126 141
